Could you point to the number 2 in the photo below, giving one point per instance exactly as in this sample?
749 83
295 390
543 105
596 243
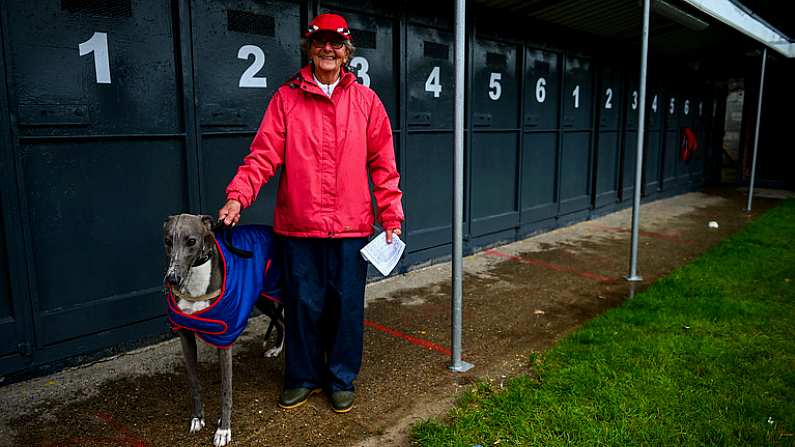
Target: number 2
248 78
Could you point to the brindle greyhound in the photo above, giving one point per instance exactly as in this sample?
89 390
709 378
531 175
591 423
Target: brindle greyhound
195 282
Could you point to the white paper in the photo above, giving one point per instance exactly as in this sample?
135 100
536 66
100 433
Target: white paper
383 256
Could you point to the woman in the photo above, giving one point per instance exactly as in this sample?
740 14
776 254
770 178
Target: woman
328 132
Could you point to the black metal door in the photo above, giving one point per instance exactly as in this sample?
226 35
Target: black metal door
576 124
428 174
609 138
653 149
15 323
243 52
101 160
683 161
670 110
698 159
495 139
540 133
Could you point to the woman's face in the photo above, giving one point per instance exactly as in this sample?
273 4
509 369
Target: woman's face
325 55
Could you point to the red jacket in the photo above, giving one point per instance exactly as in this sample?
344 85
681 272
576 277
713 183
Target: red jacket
327 146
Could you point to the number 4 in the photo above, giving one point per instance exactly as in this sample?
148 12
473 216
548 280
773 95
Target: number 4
432 84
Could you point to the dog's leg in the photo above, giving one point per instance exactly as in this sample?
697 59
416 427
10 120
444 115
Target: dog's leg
223 435
276 314
279 346
190 357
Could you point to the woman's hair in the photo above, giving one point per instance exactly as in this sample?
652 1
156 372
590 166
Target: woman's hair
306 43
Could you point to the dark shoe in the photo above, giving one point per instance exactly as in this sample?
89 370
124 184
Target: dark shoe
295 397
342 401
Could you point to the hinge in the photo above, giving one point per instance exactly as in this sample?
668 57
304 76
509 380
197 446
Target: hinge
25 349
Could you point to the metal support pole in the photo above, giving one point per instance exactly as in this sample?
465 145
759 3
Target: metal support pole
457 364
756 131
644 56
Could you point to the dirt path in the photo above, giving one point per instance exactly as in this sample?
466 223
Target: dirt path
519 299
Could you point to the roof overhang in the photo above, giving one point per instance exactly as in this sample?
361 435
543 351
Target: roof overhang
738 18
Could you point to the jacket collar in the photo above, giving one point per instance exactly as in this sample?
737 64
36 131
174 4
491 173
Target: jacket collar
306 78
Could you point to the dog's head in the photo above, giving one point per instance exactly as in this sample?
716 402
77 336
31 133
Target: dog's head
189 241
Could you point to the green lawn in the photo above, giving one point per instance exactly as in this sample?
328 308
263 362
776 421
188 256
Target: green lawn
705 356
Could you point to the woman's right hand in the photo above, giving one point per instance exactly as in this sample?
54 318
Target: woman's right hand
230 213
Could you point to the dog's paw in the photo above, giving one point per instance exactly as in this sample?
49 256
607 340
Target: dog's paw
273 352
222 437
196 424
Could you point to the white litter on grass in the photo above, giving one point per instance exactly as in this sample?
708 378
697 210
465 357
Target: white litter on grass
770 420
712 224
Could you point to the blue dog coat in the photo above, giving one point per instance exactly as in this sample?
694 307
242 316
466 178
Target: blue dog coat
245 280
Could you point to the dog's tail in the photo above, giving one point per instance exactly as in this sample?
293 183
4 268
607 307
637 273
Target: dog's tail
226 237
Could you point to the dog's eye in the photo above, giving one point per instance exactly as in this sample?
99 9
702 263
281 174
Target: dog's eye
191 242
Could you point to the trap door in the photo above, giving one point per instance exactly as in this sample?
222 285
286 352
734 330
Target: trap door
540 132
243 52
101 158
654 138
576 125
428 176
608 139
495 140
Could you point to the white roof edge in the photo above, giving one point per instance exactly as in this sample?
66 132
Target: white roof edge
734 16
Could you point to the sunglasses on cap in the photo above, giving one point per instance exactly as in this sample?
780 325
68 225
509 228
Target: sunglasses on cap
321 43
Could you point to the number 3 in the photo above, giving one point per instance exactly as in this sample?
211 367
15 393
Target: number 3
361 65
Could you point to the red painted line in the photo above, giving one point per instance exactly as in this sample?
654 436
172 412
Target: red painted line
549 265
124 437
413 340
654 235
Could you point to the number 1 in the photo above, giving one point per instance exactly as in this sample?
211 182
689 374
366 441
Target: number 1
98 44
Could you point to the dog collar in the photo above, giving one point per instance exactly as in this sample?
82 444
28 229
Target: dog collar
205 297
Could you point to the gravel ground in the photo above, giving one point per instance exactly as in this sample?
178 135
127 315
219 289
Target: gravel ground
519 299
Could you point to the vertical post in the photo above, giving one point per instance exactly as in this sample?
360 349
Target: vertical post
756 131
458 190
644 56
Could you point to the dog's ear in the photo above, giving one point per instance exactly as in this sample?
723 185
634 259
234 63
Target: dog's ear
208 222
167 222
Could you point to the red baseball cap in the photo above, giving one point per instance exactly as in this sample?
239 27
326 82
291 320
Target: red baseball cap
329 22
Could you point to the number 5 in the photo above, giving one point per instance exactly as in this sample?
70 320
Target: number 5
494 83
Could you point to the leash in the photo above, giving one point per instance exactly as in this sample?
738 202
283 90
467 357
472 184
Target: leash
226 238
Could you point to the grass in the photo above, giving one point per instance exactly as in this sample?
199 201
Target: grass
705 356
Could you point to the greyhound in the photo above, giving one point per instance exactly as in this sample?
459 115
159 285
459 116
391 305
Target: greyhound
200 283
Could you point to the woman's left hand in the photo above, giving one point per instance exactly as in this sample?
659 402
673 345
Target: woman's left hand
389 234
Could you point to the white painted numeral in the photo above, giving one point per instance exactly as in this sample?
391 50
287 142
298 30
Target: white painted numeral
634 100
576 94
249 78
609 99
432 84
541 91
654 104
362 66
672 106
98 44
687 106
494 83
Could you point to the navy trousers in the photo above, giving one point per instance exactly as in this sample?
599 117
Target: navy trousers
324 312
